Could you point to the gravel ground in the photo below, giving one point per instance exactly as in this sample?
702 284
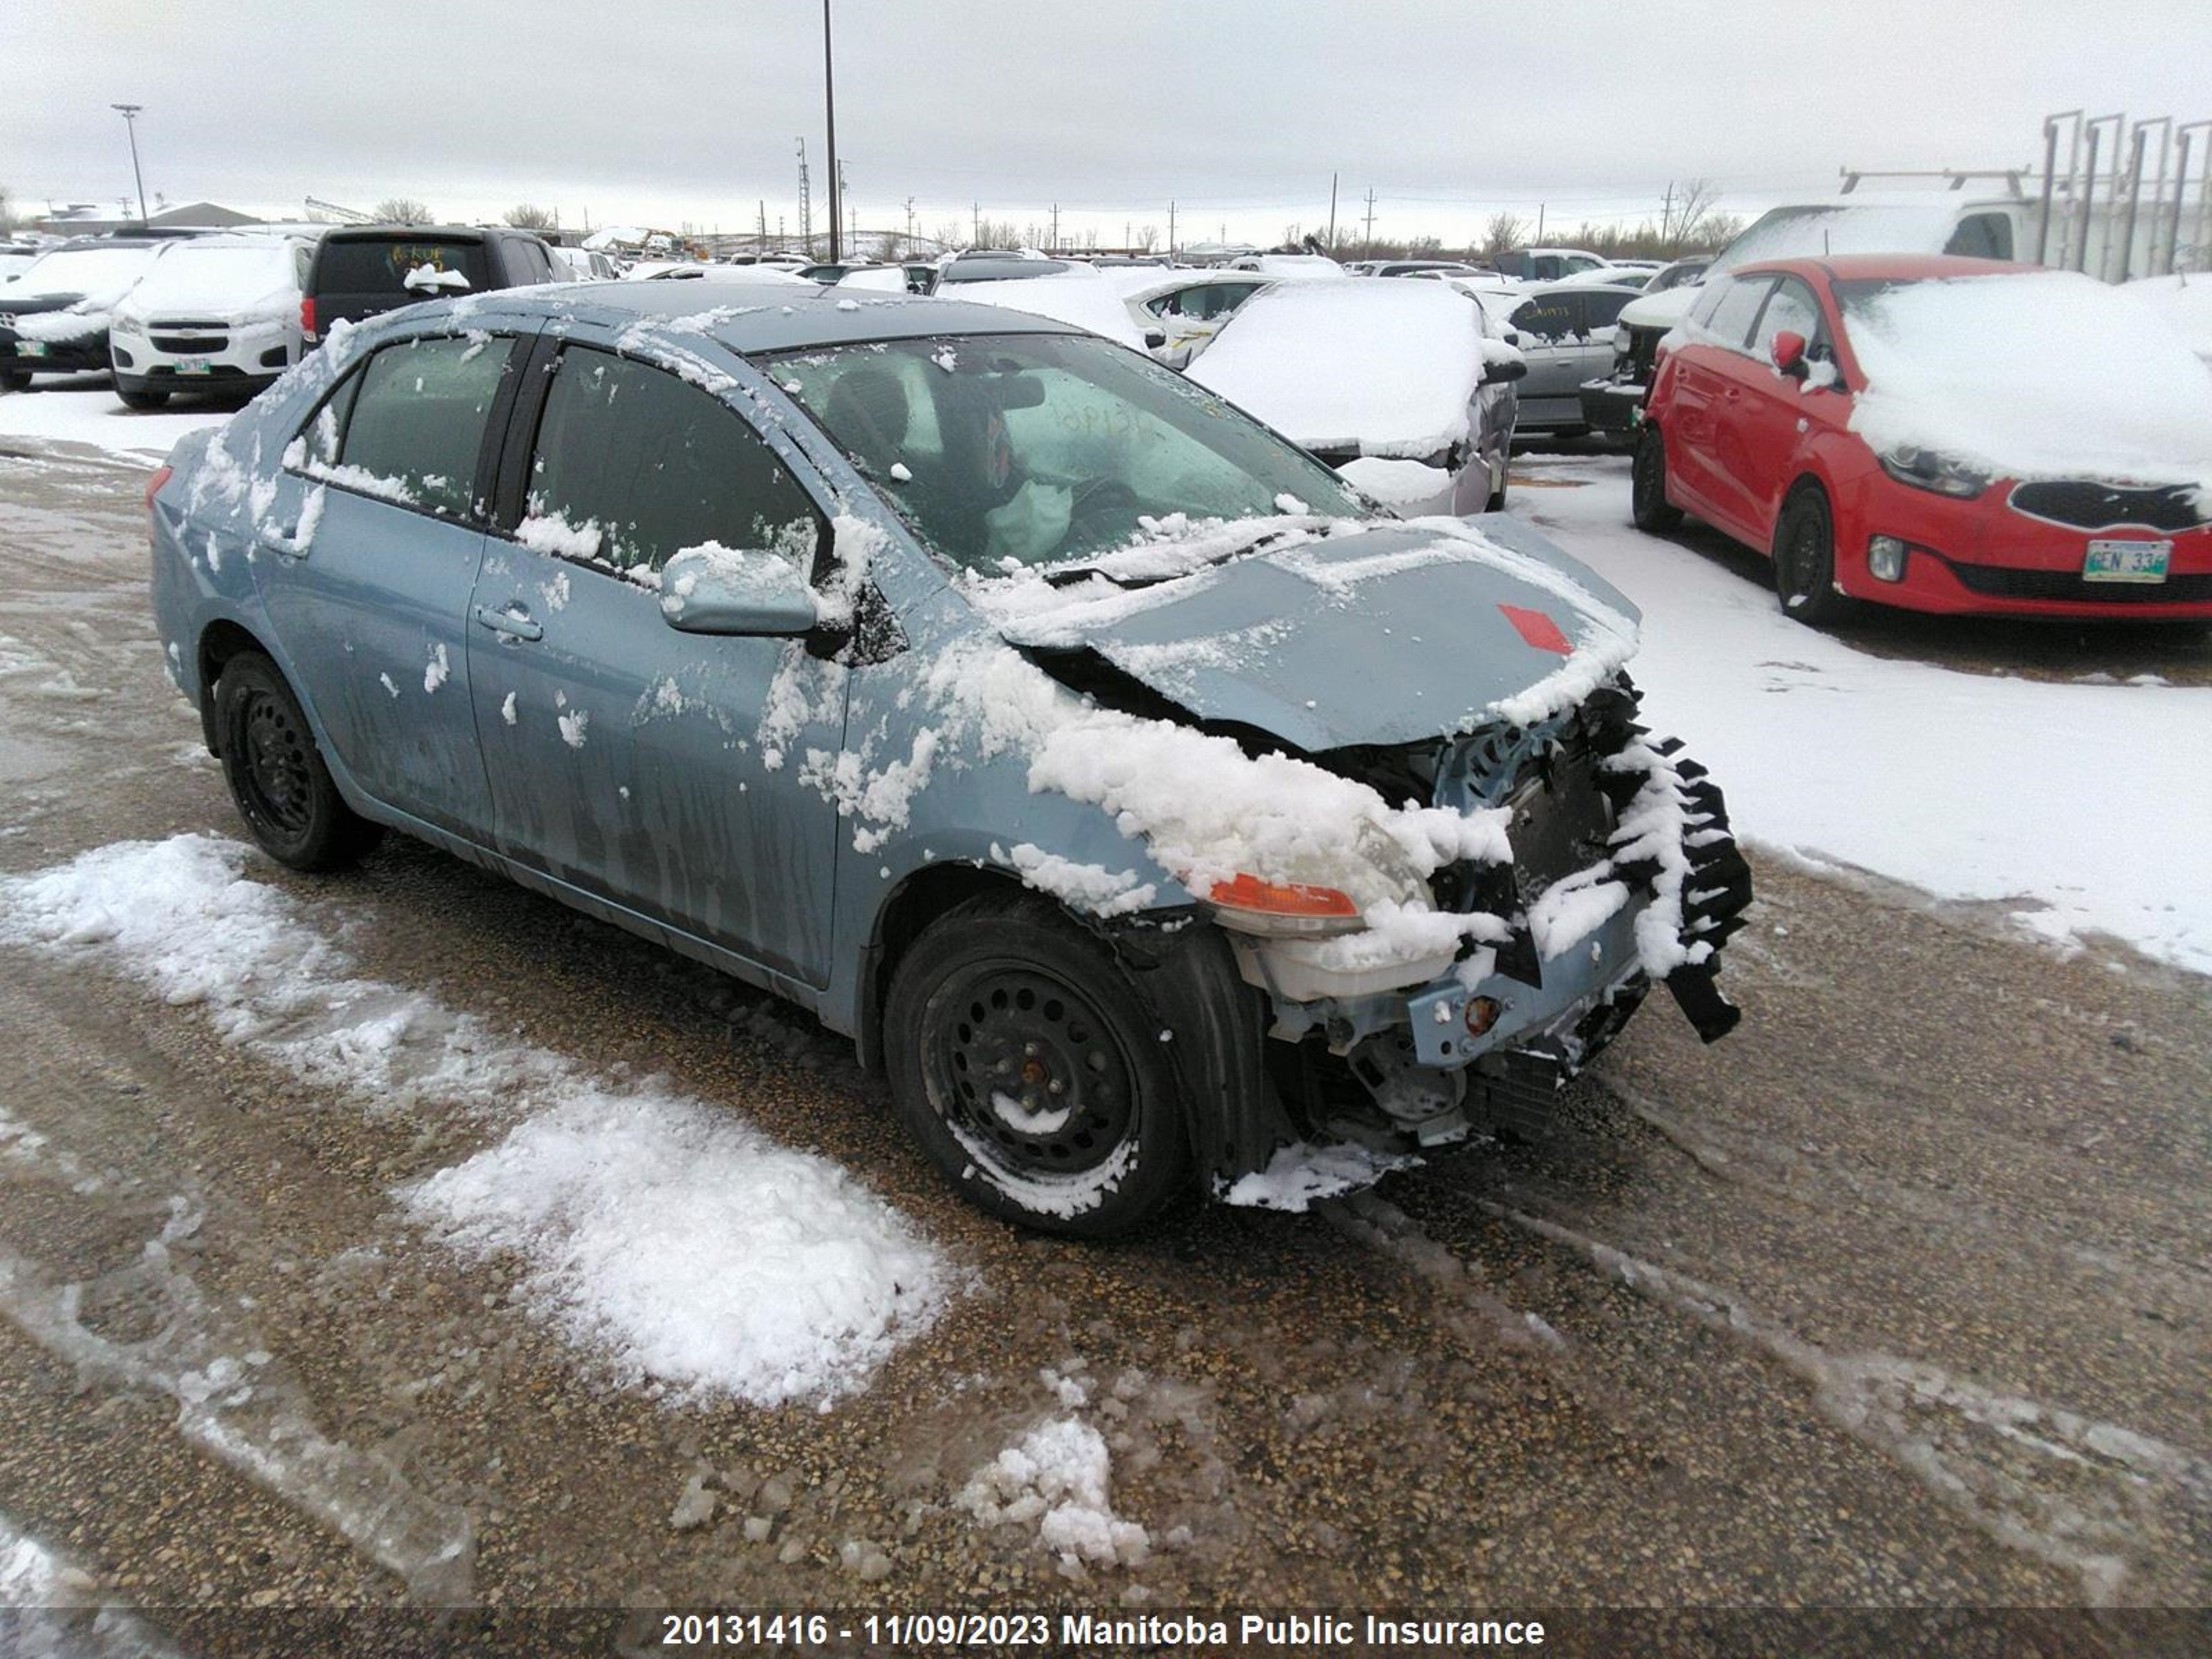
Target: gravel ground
1896 1299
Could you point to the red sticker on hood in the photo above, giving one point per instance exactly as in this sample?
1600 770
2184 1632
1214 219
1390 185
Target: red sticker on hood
1539 629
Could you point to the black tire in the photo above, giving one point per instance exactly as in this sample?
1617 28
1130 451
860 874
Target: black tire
1805 560
135 394
1648 505
277 775
15 379
1497 501
1010 990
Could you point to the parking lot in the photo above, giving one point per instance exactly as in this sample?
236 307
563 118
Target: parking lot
1897 1296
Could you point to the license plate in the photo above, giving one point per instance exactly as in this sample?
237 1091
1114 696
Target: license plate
193 366
30 348
2126 561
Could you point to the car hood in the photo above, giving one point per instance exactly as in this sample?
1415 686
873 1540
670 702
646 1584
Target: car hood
1662 310
35 305
1381 637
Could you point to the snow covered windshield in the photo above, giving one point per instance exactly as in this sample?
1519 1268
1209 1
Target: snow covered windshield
2040 374
1044 448
95 271
208 278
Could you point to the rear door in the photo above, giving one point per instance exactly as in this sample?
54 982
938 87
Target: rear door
1707 384
661 770
368 554
356 277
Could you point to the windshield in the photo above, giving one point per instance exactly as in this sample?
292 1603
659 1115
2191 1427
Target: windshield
87 271
215 276
1046 448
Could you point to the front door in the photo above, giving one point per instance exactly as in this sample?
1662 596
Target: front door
672 773
366 558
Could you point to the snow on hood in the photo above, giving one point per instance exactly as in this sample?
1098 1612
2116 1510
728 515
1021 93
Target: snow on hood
1077 297
1365 635
2185 300
1662 310
217 280
1386 369
98 276
2044 374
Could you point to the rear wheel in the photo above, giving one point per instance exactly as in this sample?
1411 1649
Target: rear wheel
1805 560
1648 505
1032 1072
283 791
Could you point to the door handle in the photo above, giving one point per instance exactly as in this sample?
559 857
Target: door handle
512 623
285 541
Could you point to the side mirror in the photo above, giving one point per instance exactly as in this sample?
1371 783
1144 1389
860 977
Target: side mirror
1499 373
720 590
1787 349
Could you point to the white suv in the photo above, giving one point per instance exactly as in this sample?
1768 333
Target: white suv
214 314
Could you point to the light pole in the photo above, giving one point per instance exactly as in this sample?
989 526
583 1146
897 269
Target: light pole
829 105
130 112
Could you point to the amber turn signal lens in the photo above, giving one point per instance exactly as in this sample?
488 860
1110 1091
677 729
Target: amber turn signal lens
1282 899
1481 1014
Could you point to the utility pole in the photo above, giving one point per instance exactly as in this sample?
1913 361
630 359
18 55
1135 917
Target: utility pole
909 227
130 113
1371 220
1331 213
1054 245
976 225
760 245
1667 214
806 204
1540 224
1171 242
830 109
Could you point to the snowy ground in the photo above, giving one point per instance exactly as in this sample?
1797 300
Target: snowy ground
2076 806
82 409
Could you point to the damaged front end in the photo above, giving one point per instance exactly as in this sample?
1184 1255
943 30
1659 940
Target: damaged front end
1621 872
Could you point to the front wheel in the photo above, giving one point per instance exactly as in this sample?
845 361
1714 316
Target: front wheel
1805 560
1032 1072
277 775
136 394
15 379
1648 505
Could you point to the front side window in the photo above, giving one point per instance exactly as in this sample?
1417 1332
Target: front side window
1793 310
1728 323
635 465
1982 236
1601 311
416 426
1044 448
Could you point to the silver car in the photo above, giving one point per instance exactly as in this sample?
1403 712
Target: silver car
1152 812
1565 331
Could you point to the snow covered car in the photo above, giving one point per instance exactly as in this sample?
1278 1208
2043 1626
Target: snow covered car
53 317
1939 434
1401 386
215 313
1189 308
1156 814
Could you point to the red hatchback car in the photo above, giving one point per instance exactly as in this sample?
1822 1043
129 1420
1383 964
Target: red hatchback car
1750 427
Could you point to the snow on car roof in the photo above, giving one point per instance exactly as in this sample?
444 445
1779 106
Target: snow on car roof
2040 374
766 316
1080 297
1387 368
2185 300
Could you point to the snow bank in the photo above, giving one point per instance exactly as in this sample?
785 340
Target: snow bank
72 412
1299 1176
674 1244
1387 368
2048 375
1059 1478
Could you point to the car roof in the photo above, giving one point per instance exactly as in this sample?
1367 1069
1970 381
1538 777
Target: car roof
414 233
1562 285
1882 267
773 317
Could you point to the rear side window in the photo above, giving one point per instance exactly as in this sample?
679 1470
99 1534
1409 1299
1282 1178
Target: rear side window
1552 318
1730 321
1982 236
652 466
416 426
379 265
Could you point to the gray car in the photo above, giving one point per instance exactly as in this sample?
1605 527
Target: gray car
1566 334
1156 814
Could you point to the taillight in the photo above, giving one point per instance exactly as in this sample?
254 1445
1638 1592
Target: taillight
308 315
161 475
1250 905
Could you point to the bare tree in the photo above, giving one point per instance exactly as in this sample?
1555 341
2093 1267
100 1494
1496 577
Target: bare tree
1690 207
1502 234
7 212
401 211
528 215
1148 238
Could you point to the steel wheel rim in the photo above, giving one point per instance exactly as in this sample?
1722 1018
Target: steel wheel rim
1027 1072
275 771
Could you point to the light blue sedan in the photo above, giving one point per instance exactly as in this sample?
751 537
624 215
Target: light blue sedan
1157 811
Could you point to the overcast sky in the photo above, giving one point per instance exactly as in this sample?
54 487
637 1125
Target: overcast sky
668 112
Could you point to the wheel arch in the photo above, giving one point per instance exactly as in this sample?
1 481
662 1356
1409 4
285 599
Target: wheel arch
221 640
904 915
